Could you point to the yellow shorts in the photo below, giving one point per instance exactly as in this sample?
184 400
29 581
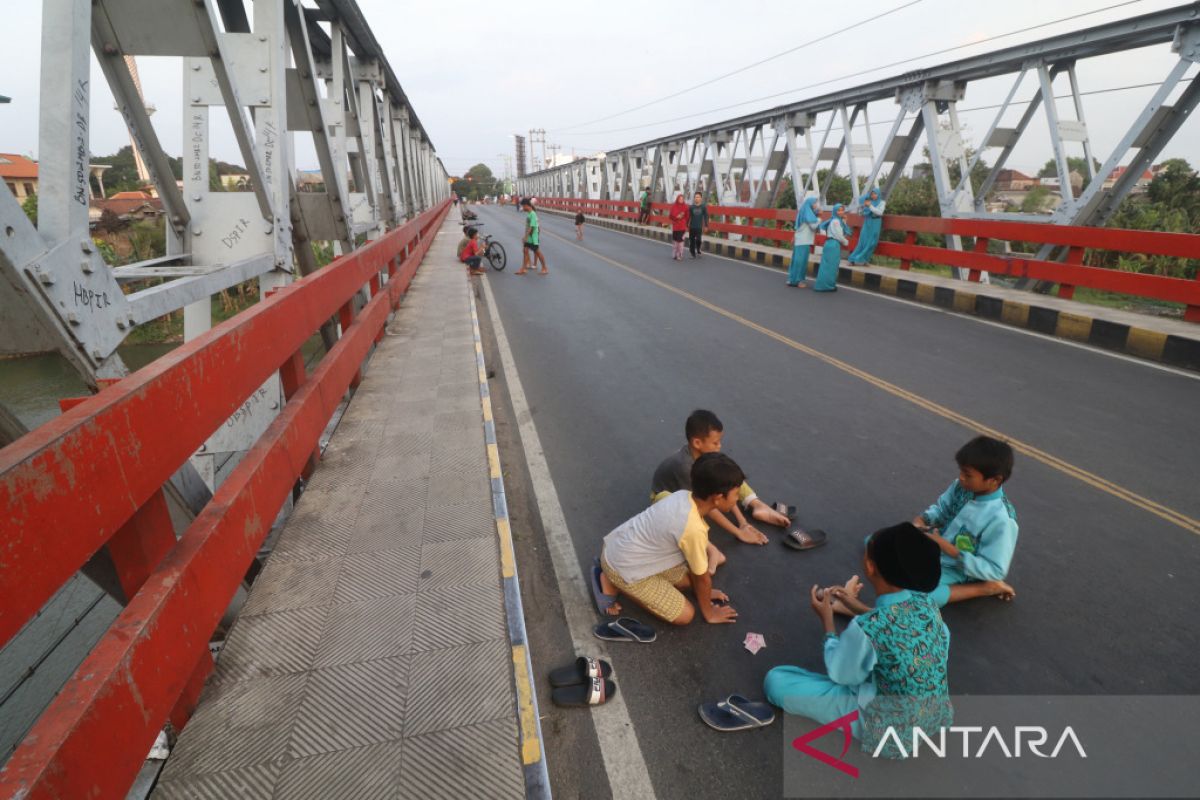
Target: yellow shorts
745 495
657 594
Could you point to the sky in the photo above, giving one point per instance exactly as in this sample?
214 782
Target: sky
477 72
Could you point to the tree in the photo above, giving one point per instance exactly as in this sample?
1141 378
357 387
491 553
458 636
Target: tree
1050 169
478 182
1035 200
122 175
1177 186
30 208
1171 203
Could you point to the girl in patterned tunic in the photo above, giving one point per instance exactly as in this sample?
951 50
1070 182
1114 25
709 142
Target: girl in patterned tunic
890 662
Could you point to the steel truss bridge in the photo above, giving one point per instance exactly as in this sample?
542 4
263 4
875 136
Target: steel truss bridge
793 143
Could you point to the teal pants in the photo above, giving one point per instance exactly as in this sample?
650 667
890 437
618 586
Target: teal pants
798 271
811 694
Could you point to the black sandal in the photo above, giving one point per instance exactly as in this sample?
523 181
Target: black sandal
798 539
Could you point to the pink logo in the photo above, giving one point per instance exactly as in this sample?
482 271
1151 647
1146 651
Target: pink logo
843 724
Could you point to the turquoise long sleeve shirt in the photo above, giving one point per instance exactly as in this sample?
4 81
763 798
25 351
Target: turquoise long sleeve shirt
982 527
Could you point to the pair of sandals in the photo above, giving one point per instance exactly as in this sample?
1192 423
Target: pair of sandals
798 538
623 629
586 682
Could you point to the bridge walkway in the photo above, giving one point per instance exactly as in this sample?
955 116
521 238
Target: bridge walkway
372 658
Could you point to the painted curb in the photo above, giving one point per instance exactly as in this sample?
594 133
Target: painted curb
533 751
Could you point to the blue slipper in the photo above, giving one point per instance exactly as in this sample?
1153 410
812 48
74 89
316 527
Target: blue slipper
736 713
603 601
625 629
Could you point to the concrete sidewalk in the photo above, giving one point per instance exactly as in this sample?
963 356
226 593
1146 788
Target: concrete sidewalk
1167 340
381 652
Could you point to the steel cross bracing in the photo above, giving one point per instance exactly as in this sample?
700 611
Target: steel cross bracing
744 161
275 68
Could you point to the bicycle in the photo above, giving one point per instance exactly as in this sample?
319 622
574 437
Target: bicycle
493 251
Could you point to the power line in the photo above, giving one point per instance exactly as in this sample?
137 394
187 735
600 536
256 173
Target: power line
864 72
740 70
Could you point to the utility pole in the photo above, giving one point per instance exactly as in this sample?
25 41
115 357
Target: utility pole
537 136
553 148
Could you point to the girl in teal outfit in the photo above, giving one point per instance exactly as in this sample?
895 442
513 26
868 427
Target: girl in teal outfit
890 662
807 220
872 210
837 234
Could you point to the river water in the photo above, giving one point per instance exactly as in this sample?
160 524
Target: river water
32 386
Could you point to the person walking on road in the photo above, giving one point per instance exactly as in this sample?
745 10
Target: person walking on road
679 216
837 234
579 219
697 222
532 241
807 219
872 210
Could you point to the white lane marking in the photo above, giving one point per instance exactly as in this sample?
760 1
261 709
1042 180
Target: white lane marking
623 760
980 320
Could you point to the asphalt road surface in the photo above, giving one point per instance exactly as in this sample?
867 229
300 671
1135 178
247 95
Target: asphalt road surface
851 406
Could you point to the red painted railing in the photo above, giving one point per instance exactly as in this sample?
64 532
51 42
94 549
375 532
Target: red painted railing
769 224
93 478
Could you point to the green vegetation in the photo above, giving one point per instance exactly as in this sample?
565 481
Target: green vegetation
30 208
479 182
123 177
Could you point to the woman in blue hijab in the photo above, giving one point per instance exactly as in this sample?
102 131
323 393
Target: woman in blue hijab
802 241
837 234
872 211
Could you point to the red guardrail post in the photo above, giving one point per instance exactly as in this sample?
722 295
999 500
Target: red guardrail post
910 239
1074 256
981 246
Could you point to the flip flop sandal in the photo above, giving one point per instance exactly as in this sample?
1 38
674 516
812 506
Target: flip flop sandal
582 671
736 713
625 629
788 511
804 540
593 693
603 601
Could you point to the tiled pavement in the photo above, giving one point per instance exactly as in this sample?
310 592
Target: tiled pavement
372 658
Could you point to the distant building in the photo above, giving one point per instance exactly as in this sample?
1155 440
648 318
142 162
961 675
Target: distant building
1141 183
127 206
310 180
20 174
1011 180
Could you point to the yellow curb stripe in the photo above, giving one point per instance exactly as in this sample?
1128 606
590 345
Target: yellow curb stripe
504 532
493 454
1144 343
531 745
1073 326
1054 462
1015 313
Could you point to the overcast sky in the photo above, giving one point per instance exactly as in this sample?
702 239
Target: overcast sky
478 72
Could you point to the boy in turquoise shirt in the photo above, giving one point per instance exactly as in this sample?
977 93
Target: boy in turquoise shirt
974 524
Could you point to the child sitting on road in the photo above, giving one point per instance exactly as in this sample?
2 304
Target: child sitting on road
890 662
704 432
471 253
665 548
974 524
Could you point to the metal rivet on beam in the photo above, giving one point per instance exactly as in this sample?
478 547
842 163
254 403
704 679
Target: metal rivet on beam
86 266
